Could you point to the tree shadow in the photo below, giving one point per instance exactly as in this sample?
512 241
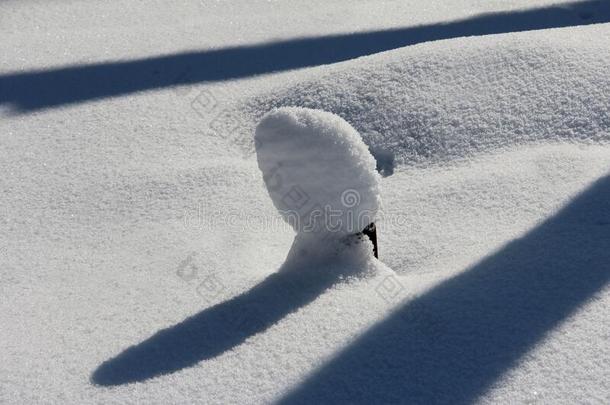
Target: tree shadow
224 326
452 343
54 87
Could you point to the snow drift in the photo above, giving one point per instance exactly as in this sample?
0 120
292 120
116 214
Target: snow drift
97 193
451 99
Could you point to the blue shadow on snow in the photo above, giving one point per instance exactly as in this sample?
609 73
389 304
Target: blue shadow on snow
217 329
34 90
452 343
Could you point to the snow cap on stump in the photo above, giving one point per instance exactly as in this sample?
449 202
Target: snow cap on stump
318 171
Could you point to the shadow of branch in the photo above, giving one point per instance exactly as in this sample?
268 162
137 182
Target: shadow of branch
224 326
41 89
452 343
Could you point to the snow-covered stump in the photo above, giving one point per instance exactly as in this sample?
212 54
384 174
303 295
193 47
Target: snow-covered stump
320 176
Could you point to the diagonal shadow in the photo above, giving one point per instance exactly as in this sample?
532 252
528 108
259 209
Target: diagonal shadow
75 84
222 327
453 342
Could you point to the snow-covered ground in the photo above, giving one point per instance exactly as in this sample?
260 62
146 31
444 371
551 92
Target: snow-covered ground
142 260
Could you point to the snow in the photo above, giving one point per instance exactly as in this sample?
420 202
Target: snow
208 334
452 99
320 175
142 260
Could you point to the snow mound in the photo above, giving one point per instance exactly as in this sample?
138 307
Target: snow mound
318 171
452 99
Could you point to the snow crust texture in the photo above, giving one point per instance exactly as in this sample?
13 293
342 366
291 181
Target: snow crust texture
318 171
143 262
451 99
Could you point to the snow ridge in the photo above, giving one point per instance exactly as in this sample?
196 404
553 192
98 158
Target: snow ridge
450 99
